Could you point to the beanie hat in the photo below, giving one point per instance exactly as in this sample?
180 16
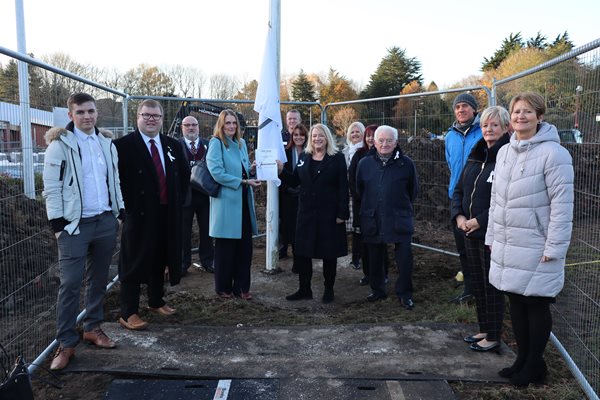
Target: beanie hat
465 98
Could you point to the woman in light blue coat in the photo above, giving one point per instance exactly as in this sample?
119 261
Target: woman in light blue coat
232 217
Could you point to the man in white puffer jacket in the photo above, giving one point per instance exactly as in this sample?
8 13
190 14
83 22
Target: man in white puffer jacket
529 230
83 200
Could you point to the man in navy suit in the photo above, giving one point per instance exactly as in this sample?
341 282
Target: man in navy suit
197 203
154 181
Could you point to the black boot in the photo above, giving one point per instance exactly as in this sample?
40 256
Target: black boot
328 295
301 294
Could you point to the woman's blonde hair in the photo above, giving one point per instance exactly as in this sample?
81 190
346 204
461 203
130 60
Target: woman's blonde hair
360 127
331 147
219 133
496 112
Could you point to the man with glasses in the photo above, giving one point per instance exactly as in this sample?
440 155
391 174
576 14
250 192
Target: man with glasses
197 203
154 181
387 184
83 201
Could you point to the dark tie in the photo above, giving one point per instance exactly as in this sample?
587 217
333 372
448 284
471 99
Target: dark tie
193 148
162 180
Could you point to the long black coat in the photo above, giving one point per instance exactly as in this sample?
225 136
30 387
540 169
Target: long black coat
472 194
359 155
288 205
139 185
387 192
321 200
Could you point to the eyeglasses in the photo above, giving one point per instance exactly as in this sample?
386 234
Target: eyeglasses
190 125
147 117
388 141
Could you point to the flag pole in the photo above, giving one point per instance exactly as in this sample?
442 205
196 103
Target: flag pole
272 213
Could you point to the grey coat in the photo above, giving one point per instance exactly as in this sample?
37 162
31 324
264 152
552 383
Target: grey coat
531 213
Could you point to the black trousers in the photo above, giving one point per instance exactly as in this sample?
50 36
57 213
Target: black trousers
488 300
305 272
459 239
378 271
233 259
130 291
200 208
531 323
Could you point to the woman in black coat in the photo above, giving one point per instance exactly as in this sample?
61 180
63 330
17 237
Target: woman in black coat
470 206
357 243
288 196
321 176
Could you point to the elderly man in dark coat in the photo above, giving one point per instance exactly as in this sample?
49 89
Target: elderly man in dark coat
154 181
387 184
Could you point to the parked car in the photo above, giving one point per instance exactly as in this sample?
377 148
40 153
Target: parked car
570 136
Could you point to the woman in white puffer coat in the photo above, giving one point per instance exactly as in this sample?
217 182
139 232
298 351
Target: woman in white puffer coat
529 230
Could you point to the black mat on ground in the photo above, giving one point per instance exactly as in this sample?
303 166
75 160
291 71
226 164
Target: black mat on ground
275 389
381 352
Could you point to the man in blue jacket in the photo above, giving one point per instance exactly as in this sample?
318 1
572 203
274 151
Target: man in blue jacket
460 140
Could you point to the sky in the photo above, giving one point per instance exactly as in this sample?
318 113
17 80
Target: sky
449 38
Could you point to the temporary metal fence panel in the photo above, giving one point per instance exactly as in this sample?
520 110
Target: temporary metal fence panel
422 119
571 87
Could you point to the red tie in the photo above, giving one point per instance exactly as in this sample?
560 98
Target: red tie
193 148
162 180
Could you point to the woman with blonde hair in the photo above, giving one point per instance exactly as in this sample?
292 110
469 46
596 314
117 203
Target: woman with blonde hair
470 209
321 178
232 218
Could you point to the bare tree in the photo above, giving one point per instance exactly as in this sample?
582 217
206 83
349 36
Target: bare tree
188 81
222 86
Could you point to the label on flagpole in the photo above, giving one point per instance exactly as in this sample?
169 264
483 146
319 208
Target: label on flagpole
266 165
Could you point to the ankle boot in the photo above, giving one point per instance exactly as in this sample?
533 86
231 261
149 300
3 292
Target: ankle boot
328 295
301 294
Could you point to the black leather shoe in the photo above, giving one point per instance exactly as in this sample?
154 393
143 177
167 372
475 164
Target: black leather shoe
407 304
300 295
209 268
364 281
355 264
473 339
477 347
373 297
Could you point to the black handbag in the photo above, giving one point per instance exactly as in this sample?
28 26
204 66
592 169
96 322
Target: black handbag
15 384
202 180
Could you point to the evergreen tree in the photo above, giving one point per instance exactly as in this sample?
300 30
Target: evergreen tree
394 72
510 44
303 89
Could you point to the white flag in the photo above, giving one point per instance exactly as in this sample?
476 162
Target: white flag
267 103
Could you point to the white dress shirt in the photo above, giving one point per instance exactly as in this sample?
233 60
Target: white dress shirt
95 175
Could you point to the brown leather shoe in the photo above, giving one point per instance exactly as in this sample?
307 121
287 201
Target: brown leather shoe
164 310
98 337
62 357
134 322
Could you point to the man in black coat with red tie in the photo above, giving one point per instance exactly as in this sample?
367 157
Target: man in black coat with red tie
196 203
154 182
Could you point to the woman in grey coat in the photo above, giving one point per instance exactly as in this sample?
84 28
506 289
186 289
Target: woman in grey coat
529 230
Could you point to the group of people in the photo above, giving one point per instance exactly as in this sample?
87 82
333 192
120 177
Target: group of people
511 186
